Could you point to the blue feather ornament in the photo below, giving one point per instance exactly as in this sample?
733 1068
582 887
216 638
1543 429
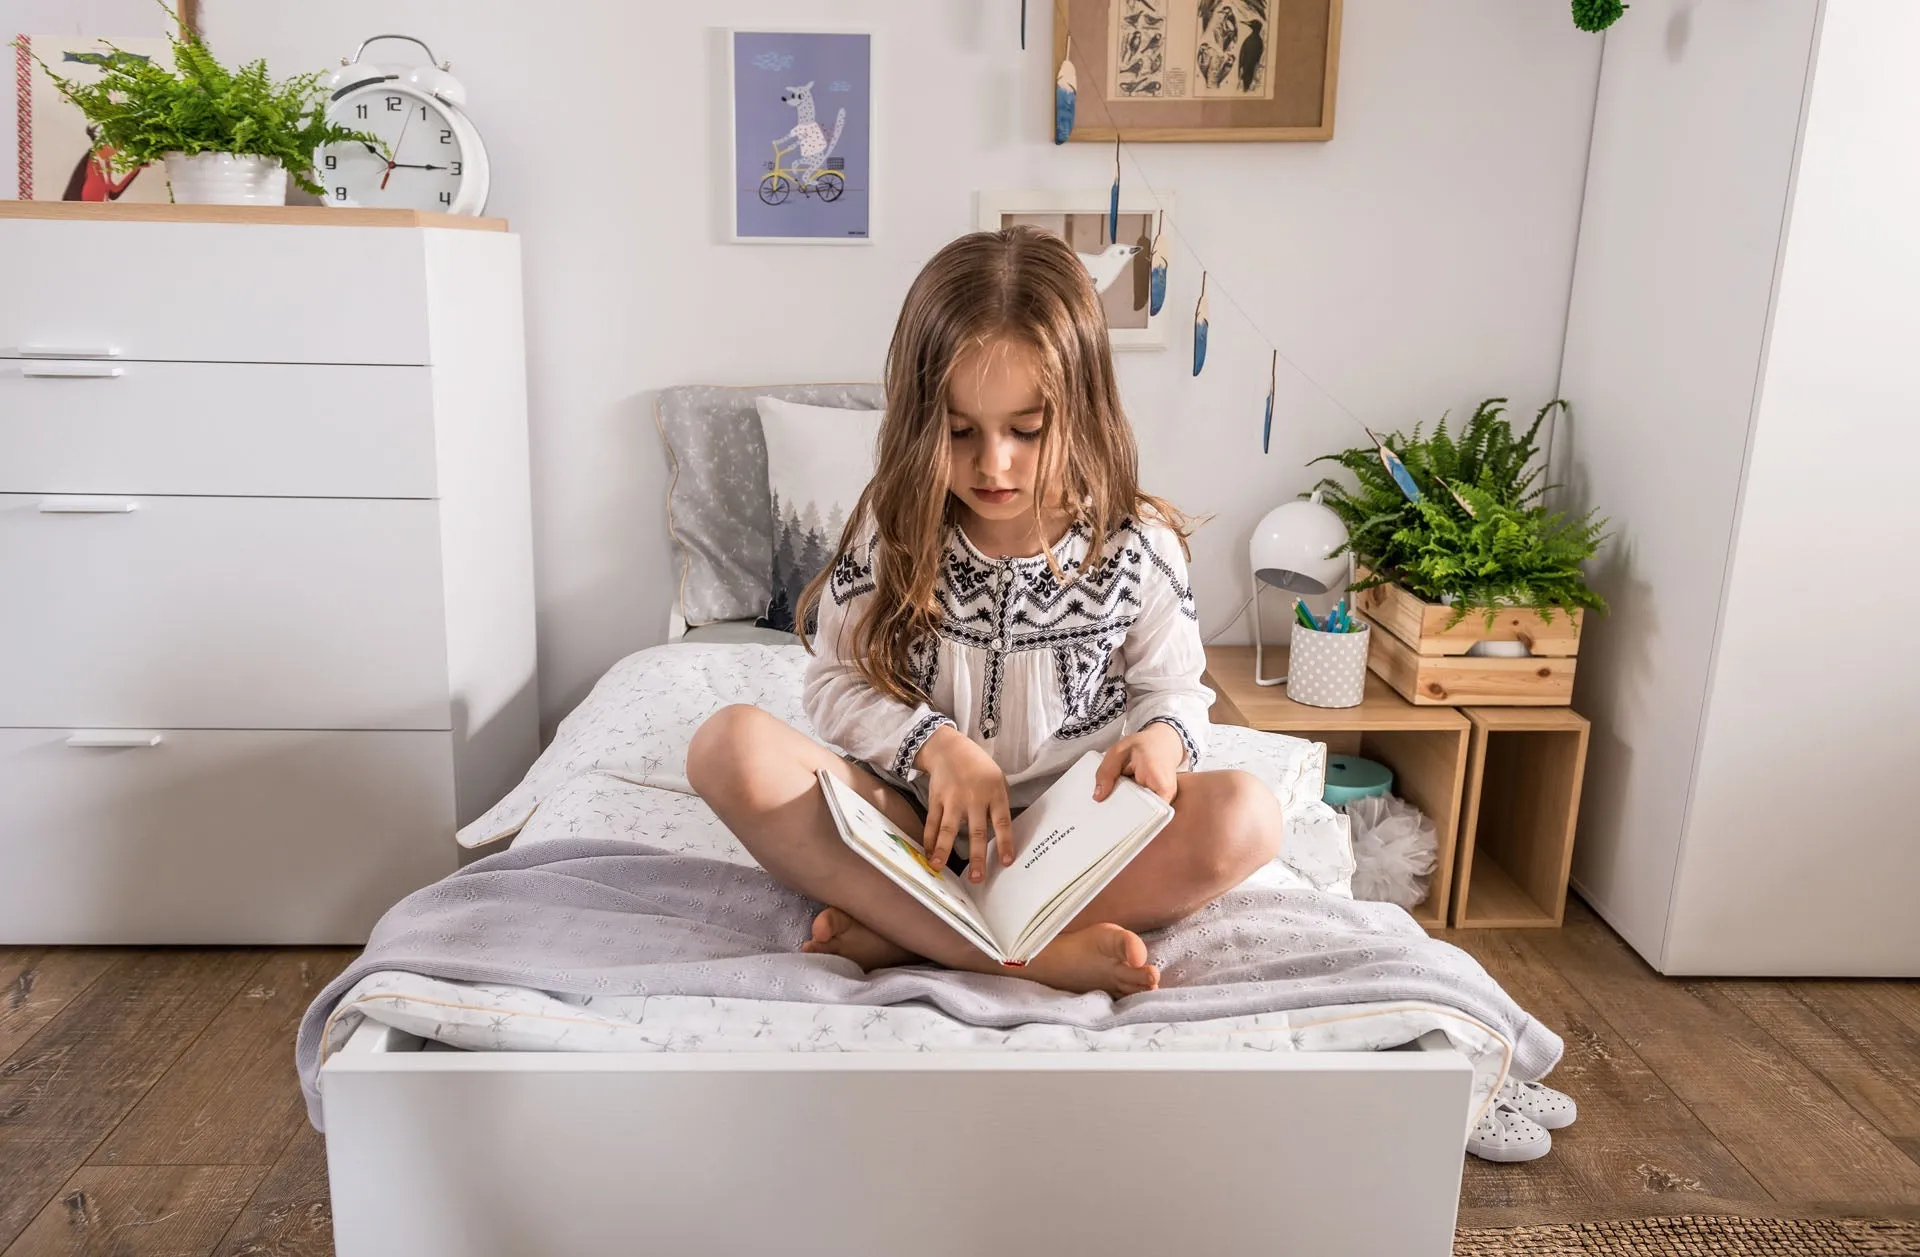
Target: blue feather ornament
1113 198
1065 89
1397 469
1200 327
1157 274
1266 426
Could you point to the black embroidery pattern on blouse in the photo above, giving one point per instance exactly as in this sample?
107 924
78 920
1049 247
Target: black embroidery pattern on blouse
923 665
1179 727
852 574
923 728
1001 608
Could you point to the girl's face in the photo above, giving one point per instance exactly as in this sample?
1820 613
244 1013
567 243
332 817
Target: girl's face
995 415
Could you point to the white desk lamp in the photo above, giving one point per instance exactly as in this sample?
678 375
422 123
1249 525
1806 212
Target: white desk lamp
1293 549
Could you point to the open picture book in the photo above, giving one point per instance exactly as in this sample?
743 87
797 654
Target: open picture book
1066 849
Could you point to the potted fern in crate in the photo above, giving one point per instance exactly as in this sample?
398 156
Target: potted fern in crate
228 137
1468 561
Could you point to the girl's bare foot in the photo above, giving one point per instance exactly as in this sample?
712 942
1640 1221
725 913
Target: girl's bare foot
1097 958
837 934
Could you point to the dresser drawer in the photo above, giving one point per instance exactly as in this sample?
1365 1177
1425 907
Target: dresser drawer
266 430
214 292
210 836
225 613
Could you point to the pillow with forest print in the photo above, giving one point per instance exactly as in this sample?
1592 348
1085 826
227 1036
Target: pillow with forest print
819 458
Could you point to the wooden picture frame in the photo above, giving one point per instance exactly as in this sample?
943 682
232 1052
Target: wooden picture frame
1079 215
1285 93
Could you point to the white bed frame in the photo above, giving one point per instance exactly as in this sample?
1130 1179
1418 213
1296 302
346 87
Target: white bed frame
435 1153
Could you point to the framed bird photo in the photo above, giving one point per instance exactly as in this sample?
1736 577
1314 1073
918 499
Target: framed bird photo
802 122
1115 241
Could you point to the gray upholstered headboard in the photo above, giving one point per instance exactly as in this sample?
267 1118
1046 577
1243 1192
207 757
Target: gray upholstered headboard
719 513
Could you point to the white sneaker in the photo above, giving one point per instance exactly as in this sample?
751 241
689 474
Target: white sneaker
1504 1133
1551 1109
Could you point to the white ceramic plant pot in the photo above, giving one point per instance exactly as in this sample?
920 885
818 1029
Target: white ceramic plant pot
226 179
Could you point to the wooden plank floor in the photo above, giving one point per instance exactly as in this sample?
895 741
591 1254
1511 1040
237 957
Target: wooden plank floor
148 1105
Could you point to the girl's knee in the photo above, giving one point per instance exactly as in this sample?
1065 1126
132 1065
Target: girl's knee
1247 826
721 746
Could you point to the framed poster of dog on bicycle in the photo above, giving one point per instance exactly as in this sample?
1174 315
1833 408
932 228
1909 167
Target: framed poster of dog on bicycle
802 128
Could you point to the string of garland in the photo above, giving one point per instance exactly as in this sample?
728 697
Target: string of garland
1066 103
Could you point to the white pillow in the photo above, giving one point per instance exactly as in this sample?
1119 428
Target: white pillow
819 458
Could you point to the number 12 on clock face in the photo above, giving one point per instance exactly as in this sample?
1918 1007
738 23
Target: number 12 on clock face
419 162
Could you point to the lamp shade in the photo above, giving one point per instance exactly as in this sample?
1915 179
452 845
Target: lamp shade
1294 547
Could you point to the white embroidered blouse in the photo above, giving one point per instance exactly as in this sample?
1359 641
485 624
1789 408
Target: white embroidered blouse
1035 671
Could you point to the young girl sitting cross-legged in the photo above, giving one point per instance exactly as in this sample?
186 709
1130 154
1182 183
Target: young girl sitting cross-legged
1004 599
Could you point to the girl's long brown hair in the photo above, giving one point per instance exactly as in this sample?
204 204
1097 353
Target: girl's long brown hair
1019 284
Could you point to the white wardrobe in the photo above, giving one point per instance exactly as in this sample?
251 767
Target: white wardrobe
266 576
1743 352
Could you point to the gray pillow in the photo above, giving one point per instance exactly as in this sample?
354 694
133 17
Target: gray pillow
719 512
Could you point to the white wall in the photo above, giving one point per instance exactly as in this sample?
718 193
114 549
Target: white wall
1802 850
1693 150
1420 261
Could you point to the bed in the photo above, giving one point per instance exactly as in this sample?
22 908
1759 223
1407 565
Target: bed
482 1119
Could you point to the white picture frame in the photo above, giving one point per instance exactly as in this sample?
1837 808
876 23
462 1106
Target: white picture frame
996 209
756 223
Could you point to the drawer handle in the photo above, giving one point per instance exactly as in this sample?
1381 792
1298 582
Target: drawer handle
112 739
71 370
67 351
69 505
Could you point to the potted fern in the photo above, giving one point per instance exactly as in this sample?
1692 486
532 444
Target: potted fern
228 137
1470 561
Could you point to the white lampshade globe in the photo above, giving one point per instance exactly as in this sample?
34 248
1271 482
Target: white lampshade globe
1294 548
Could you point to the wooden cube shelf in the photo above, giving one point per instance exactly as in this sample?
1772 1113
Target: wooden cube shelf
1426 747
1524 770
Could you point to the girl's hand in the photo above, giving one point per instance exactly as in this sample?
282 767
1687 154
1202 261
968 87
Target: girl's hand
965 785
1151 757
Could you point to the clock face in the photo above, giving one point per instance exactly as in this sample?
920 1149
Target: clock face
419 163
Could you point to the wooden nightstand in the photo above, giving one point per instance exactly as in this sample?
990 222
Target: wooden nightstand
1426 747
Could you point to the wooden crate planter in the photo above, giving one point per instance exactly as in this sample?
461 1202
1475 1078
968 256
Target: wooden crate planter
1524 772
1424 657
1425 625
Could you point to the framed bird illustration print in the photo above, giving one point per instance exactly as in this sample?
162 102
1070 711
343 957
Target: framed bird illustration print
1121 240
802 122
1194 69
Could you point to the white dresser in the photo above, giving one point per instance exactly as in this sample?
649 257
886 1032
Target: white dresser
266 573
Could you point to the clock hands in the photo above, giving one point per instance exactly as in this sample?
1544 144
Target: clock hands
391 164
399 165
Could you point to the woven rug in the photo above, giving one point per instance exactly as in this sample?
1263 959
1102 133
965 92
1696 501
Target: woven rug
1698 1236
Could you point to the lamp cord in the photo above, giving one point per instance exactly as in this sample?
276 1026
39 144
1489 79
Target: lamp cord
1208 639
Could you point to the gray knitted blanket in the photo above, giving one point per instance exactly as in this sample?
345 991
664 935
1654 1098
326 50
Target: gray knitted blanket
600 917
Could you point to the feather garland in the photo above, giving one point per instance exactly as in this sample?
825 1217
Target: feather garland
1464 504
1200 327
1113 198
1396 469
1266 426
1065 89
1157 272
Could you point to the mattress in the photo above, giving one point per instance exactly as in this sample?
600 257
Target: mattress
616 769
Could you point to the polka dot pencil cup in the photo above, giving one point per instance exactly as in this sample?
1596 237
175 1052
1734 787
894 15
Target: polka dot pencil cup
1328 669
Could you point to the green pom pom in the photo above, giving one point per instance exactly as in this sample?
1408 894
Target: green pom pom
1596 15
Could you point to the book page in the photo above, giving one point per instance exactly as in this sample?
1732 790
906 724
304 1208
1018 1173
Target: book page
1058 840
868 831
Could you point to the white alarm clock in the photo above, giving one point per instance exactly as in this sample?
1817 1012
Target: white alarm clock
429 157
